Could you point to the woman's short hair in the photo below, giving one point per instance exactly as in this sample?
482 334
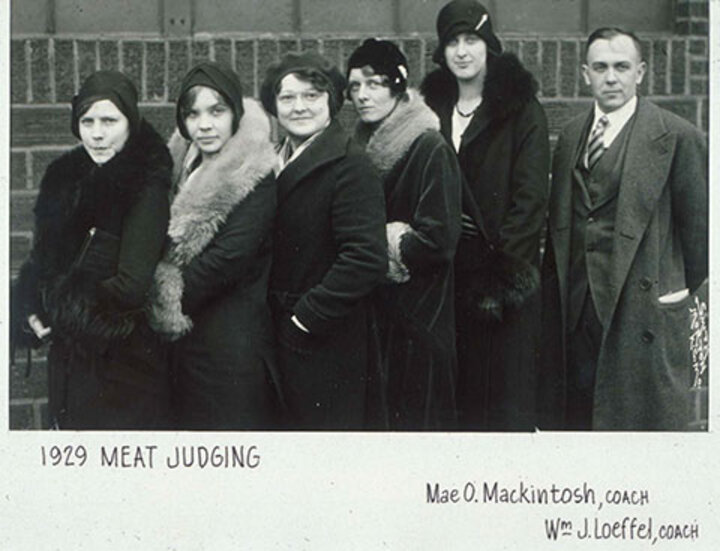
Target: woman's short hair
310 67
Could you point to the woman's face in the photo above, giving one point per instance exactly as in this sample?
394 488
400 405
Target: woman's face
466 56
370 95
103 131
209 121
302 109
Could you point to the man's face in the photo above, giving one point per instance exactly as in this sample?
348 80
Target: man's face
613 71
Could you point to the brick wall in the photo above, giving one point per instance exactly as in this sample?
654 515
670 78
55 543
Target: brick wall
46 72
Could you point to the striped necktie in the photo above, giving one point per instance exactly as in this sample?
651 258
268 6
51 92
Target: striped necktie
596 145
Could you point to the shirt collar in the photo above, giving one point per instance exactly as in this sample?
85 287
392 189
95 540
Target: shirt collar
617 118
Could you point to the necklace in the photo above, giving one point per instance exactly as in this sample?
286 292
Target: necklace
464 115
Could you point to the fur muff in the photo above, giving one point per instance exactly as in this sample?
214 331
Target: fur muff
397 271
76 194
387 145
199 210
508 86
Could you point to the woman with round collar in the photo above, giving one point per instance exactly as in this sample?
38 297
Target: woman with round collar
488 110
329 248
210 293
423 191
100 222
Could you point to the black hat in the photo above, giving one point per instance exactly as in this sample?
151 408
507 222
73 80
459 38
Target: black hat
218 77
385 58
110 85
294 62
464 16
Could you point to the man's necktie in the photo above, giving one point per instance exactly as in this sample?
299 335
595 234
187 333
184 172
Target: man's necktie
596 145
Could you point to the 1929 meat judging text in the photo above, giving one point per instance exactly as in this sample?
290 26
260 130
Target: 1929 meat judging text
151 456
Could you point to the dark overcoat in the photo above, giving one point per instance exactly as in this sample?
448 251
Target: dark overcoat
329 253
415 306
505 157
210 292
660 245
107 369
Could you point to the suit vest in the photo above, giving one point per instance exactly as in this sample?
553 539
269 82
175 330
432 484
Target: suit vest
594 207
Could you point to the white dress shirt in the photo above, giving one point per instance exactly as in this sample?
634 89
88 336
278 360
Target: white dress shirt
616 120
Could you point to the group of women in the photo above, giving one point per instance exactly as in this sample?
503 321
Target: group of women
384 278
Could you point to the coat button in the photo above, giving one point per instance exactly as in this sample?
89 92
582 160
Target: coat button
590 220
648 337
645 284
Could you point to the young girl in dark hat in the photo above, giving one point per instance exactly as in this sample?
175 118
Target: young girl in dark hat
422 184
487 107
329 247
210 288
100 223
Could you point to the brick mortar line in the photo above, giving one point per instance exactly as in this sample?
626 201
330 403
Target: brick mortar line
27 48
351 35
51 70
76 66
29 176
668 66
27 401
166 73
558 60
233 54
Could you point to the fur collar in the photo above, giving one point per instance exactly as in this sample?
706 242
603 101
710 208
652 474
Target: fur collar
74 186
508 87
389 142
200 208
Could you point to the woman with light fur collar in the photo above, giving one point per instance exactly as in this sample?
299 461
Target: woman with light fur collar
211 286
422 192
486 103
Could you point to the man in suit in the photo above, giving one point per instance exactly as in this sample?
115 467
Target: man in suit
627 246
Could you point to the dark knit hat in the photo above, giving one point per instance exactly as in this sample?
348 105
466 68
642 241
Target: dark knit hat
385 58
110 85
464 16
306 61
220 78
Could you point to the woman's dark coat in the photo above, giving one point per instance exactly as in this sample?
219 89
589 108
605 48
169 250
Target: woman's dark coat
107 370
504 155
415 309
210 288
329 253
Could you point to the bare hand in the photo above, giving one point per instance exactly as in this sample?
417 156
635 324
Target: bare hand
468 227
38 328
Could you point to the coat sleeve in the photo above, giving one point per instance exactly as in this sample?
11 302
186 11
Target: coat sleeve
232 254
358 225
529 183
689 186
435 224
143 234
50 210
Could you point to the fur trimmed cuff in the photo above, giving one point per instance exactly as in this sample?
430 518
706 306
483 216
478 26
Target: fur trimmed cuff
165 310
397 271
504 281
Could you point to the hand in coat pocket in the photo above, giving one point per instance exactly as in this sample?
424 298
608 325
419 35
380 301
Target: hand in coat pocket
291 336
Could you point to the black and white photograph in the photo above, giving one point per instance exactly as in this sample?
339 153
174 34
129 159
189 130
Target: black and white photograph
400 274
